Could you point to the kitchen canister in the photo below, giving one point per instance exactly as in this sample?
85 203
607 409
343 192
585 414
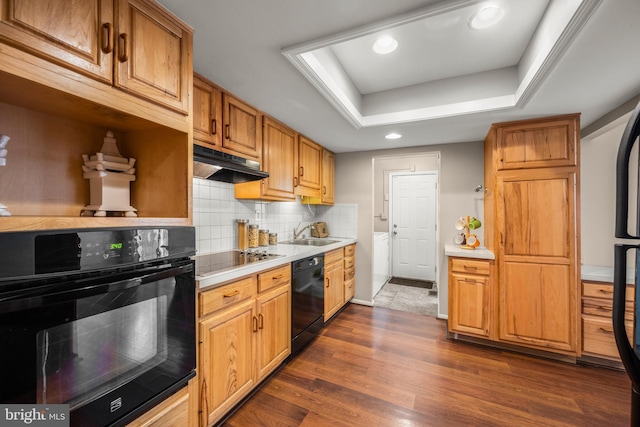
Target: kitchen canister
263 238
243 235
253 236
273 238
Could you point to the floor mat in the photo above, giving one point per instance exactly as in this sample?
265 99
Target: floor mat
427 284
407 298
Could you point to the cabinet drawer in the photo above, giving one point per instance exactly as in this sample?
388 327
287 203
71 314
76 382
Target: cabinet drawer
349 289
603 290
349 262
272 278
333 256
604 308
227 295
598 336
349 250
349 273
464 265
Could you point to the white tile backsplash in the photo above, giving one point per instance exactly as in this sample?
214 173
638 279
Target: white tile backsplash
215 211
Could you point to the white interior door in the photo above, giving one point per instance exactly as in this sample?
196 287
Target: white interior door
413 225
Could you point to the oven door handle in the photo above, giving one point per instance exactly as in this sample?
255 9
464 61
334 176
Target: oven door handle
68 291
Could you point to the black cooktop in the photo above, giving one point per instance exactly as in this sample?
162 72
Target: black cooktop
213 263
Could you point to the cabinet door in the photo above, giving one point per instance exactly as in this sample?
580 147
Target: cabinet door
174 411
469 304
226 359
333 289
538 144
78 34
309 168
278 154
538 268
241 128
207 114
328 177
274 329
153 55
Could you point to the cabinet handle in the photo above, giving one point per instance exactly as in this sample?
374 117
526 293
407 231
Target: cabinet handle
295 181
301 170
261 321
214 126
255 324
470 267
603 308
226 132
328 282
107 41
123 55
605 330
606 291
231 294
324 189
470 281
278 277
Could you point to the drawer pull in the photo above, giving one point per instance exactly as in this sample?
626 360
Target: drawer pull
232 294
605 330
261 321
600 307
255 324
470 267
470 281
606 291
278 277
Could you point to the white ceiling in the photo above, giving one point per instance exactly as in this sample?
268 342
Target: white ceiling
309 64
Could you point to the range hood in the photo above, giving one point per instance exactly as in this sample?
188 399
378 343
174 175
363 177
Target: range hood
218 166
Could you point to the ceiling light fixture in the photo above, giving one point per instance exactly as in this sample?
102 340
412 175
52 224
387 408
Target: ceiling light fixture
486 17
385 44
393 135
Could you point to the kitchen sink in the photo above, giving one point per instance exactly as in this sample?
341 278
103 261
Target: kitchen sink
310 242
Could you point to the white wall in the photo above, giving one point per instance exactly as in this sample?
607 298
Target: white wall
461 170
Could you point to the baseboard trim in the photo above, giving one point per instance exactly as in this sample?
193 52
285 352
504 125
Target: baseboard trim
362 302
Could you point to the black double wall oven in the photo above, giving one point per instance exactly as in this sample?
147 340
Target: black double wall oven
102 320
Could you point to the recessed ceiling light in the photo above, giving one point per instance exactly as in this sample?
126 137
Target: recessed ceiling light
393 135
384 45
486 17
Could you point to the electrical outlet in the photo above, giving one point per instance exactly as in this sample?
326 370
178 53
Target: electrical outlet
257 216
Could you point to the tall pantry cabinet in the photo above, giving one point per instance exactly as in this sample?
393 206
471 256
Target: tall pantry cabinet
531 219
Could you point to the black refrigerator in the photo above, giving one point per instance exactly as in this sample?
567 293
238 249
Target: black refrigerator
629 351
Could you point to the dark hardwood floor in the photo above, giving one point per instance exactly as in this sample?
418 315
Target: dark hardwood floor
380 367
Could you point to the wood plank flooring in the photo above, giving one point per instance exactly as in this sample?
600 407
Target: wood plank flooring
380 367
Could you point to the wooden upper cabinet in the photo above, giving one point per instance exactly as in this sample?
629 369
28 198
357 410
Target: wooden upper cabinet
207 113
135 45
279 159
309 168
242 132
535 144
153 54
328 177
79 35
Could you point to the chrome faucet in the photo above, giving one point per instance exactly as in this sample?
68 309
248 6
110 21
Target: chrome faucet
297 233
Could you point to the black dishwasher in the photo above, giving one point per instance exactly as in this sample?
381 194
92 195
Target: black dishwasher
307 301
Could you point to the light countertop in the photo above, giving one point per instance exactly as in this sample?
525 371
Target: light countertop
290 254
480 252
598 273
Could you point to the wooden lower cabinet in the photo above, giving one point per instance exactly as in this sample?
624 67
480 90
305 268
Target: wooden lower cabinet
244 334
469 296
349 272
333 282
176 411
598 340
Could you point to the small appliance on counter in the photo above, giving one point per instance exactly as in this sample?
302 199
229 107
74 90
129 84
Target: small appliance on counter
4 139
